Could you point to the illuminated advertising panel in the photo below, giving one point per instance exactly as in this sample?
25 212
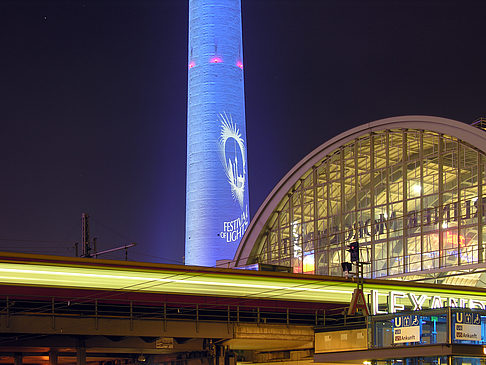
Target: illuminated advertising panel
217 212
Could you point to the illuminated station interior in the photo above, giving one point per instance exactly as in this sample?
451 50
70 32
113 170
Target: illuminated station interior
408 190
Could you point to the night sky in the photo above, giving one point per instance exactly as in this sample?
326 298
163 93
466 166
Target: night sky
93 103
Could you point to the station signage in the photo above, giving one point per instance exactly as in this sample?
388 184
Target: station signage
395 301
164 343
467 326
406 329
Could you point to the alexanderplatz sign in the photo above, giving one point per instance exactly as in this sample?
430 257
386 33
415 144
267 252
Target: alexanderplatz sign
396 301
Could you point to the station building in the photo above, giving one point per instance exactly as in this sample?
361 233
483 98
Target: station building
409 190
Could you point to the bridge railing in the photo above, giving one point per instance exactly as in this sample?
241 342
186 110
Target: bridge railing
172 311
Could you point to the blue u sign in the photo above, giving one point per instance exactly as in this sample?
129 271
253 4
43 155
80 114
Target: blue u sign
406 321
468 318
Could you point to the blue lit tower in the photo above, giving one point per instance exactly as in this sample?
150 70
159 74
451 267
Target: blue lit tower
217 169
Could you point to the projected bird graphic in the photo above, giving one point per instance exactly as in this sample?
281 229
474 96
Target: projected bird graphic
232 149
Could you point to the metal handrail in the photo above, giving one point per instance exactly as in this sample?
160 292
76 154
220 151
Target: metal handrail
168 311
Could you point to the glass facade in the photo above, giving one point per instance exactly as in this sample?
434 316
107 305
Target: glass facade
412 198
434 336
440 326
436 360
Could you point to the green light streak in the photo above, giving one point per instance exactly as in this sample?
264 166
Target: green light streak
204 283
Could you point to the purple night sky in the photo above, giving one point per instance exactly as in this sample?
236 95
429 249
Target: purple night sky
93 103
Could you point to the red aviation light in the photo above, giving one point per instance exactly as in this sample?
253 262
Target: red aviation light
216 59
192 64
239 64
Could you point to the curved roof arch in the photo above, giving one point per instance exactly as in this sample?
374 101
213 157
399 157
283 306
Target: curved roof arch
467 133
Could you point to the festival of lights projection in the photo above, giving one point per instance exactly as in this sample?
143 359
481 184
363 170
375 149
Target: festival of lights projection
232 150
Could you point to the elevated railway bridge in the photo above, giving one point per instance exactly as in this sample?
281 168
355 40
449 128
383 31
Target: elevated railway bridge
61 310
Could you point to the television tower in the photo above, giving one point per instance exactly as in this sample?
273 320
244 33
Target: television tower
217 211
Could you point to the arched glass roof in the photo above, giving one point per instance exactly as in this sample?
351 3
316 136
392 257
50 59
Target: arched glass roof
408 189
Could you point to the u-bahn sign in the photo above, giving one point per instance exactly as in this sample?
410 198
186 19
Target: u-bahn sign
406 329
467 326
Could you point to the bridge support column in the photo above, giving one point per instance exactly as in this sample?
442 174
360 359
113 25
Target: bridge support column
81 353
53 356
18 358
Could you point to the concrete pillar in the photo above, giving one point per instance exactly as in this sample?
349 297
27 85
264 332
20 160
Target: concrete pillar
217 200
80 355
18 358
53 355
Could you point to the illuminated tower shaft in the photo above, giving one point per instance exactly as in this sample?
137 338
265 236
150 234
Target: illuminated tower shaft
217 173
